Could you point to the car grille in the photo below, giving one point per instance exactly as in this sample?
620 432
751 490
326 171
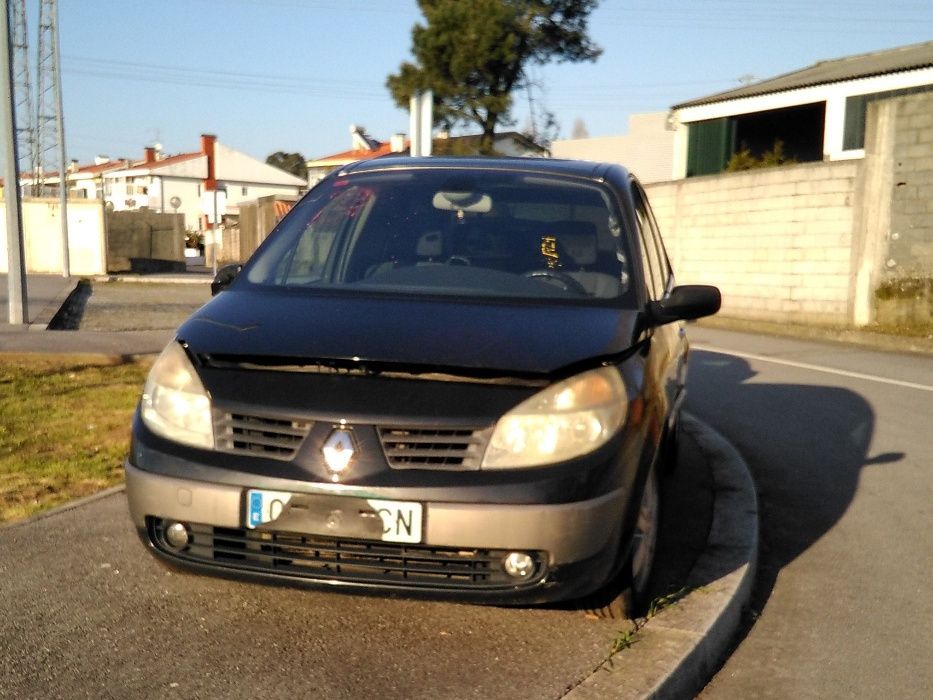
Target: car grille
260 435
428 448
347 560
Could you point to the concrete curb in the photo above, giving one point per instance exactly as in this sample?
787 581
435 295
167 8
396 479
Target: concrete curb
44 318
676 651
158 278
64 507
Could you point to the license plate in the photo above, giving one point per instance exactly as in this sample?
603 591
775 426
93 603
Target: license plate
398 521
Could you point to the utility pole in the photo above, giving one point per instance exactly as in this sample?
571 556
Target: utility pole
50 126
16 262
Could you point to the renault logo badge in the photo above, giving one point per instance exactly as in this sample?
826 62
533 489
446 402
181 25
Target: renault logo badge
338 452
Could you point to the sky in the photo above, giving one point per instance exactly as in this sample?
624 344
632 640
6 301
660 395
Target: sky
293 75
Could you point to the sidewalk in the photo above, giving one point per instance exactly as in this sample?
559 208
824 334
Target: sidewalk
112 315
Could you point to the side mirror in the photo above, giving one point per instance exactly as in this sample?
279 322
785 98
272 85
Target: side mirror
685 303
224 278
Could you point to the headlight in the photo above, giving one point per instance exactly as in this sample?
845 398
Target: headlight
564 421
174 403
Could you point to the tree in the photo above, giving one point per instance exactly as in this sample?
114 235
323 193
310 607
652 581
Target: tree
472 54
293 163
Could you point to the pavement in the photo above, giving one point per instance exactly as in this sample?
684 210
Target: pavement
707 554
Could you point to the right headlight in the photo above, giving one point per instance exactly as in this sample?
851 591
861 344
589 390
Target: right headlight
174 403
566 420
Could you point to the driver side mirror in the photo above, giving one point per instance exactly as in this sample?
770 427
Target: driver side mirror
224 278
685 303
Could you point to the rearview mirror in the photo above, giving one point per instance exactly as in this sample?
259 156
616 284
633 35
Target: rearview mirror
224 278
685 303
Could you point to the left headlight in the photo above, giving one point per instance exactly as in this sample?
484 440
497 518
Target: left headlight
566 420
174 403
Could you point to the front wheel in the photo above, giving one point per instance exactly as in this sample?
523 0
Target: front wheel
631 600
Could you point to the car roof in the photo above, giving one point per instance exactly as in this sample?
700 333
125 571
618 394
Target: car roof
545 166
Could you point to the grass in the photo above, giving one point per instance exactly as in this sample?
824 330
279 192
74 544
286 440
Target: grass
64 428
628 638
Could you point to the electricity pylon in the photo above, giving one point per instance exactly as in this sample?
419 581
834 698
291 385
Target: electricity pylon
22 89
50 125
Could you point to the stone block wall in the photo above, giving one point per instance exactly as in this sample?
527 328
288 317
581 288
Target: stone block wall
777 241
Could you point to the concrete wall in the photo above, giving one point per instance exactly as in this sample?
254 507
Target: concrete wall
42 245
837 243
145 241
911 244
777 242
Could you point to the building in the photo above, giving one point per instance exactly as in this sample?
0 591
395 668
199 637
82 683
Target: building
184 183
647 149
817 113
365 147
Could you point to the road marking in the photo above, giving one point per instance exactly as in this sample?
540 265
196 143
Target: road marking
815 368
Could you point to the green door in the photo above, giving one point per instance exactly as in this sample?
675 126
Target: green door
709 146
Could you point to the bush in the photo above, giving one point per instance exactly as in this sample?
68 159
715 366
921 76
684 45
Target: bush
744 159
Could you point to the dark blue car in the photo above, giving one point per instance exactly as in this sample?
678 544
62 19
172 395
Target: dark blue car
447 377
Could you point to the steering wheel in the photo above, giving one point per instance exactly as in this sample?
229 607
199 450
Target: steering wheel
564 281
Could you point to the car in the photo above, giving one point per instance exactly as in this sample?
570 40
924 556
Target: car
445 377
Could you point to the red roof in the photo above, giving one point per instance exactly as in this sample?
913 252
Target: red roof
171 160
384 148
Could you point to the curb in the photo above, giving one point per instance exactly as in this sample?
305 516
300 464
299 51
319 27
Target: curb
162 278
64 507
51 311
678 649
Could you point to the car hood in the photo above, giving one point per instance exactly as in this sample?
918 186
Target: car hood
446 335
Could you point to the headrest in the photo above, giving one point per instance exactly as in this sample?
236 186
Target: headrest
430 245
576 238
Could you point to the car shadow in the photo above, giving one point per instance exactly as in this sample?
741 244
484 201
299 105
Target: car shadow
804 444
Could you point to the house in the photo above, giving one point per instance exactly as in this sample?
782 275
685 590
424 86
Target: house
186 183
365 147
647 149
182 183
818 113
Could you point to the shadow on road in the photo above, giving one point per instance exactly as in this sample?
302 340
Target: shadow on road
805 445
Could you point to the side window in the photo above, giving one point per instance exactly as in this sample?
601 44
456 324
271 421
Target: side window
655 268
667 274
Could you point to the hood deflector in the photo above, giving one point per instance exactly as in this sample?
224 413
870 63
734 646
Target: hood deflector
388 370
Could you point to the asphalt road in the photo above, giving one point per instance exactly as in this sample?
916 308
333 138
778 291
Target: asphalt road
839 441
86 612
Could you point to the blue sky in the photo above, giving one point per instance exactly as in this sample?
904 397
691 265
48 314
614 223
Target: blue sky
292 75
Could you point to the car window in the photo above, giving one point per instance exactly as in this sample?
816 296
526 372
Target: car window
654 261
468 233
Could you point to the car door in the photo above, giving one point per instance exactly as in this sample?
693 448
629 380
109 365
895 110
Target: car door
667 344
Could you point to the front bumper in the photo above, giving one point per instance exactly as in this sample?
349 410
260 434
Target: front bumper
576 545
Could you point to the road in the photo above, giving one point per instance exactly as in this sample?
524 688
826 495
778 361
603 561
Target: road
86 612
839 440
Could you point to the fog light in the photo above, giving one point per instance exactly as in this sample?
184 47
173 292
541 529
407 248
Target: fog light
518 565
177 536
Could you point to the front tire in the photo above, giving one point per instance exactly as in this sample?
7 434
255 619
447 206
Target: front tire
626 597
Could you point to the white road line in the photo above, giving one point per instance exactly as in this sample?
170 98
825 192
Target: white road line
815 368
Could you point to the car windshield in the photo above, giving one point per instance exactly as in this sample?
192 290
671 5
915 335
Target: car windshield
451 232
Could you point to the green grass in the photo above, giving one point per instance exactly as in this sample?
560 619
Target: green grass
64 428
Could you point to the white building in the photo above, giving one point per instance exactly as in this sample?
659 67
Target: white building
186 183
647 149
818 113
